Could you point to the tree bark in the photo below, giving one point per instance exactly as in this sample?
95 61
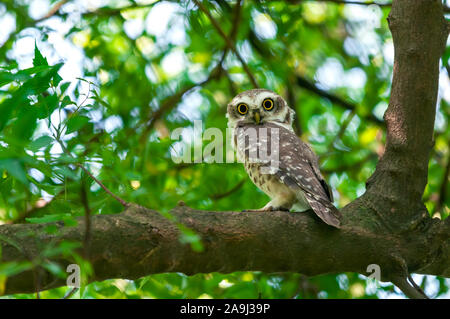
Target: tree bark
388 225
140 242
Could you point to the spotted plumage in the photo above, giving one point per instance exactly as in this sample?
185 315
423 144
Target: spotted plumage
276 160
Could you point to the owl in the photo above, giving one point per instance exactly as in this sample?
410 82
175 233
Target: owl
276 160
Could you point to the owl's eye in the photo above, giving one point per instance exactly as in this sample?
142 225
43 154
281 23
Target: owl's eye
242 108
267 104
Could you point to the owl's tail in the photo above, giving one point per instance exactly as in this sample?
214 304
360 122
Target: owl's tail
325 210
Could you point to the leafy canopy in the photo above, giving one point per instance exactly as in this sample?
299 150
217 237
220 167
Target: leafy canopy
103 88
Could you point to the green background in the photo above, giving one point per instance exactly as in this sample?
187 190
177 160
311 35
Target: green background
111 80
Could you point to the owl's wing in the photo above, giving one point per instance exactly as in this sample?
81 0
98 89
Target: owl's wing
314 162
298 168
318 202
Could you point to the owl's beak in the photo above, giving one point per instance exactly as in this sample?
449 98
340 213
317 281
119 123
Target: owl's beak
257 117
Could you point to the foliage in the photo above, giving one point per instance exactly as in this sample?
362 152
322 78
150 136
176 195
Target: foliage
103 88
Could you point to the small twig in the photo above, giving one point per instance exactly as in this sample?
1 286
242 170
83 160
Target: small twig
120 200
70 293
408 289
342 129
310 86
355 166
306 288
52 11
37 285
417 287
233 35
166 106
228 42
87 219
171 102
302 82
232 86
229 192
105 11
236 20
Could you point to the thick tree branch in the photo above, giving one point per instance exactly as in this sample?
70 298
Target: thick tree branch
140 242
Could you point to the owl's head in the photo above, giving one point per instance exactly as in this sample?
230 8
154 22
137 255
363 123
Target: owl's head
259 106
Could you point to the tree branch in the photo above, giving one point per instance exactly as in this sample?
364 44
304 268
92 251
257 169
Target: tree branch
228 41
307 84
140 242
54 10
169 103
310 86
229 192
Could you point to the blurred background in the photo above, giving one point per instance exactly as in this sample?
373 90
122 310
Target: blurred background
105 82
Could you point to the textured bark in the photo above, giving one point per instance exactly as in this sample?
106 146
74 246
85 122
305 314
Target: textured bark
140 242
419 31
388 225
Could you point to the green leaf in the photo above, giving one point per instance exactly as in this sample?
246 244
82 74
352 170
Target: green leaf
34 70
6 77
188 236
12 268
40 142
66 101
6 108
54 268
66 172
76 122
15 168
12 65
56 80
38 58
25 124
64 87
46 106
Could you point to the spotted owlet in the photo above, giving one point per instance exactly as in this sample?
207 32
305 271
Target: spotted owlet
277 161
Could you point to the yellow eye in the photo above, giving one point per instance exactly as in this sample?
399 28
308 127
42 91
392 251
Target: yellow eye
242 108
267 104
